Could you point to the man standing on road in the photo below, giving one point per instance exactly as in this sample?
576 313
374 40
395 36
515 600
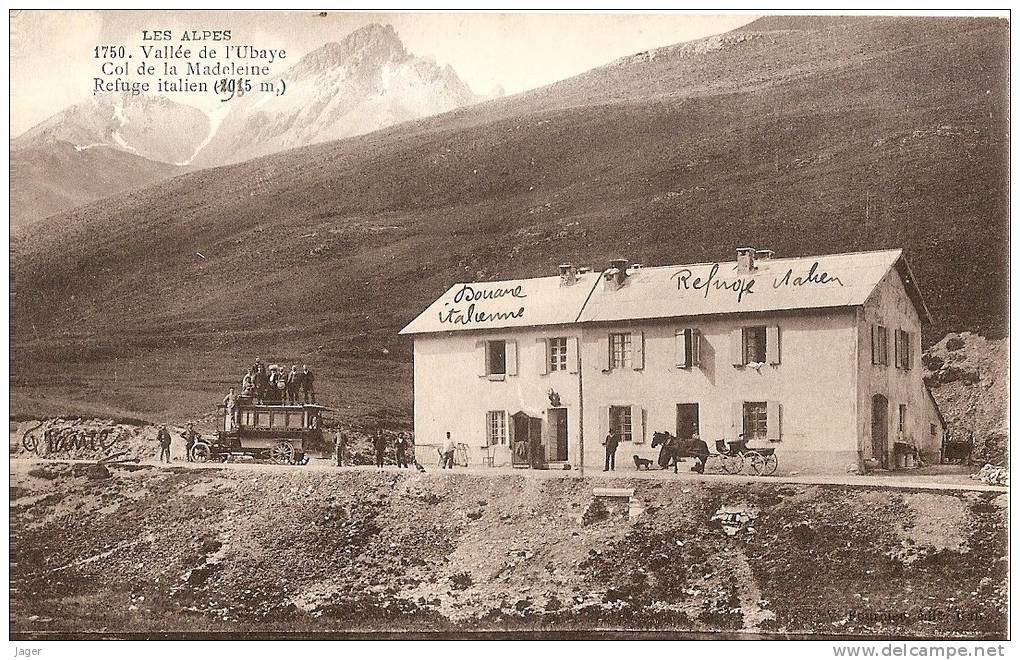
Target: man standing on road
189 441
401 446
341 448
612 442
448 449
380 448
229 402
163 438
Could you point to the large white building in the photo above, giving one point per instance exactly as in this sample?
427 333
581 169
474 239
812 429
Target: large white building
818 357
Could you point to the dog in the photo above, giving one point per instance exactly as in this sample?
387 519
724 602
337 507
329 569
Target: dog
645 463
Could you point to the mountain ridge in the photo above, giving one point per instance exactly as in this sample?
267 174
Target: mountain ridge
868 135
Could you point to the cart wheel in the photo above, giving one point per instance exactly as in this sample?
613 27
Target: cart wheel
201 452
755 461
282 453
771 464
732 464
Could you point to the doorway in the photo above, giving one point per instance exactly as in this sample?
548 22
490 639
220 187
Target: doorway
688 421
557 434
880 429
527 443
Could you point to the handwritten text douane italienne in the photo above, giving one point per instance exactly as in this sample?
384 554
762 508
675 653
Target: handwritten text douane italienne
468 294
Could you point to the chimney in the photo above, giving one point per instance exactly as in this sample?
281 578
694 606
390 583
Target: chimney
745 260
617 273
568 274
763 255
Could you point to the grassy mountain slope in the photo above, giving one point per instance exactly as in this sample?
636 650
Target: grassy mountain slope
802 137
53 177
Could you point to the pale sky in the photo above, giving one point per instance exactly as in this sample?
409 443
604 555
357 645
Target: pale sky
52 63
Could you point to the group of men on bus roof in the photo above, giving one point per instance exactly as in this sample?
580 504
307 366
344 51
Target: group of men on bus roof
275 385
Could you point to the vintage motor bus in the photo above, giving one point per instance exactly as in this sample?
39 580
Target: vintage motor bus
280 433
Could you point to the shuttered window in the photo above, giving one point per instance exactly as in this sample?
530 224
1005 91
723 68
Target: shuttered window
495 424
621 419
756 419
620 350
558 354
687 348
879 345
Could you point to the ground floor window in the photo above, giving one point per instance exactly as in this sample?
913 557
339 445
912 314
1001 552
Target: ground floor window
495 423
755 419
620 420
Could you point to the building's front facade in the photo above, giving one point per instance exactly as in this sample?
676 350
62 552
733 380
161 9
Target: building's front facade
817 357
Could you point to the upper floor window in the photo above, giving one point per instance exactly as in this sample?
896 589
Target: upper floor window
497 357
754 344
687 347
558 354
903 345
879 345
903 418
620 351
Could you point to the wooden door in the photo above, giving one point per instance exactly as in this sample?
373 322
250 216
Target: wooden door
687 420
557 450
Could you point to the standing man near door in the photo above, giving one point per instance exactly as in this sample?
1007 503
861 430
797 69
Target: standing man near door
612 443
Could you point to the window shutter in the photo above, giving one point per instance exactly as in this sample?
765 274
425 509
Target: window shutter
736 347
603 425
638 349
488 425
907 346
509 430
603 357
772 349
884 337
896 347
738 419
572 355
874 352
695 342
680 348
483 358
774 420
637 424
543 356
511 357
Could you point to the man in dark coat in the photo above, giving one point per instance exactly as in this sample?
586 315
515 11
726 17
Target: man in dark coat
294 380
341 448
307 384
261 382
401 446
379 442
189 440
163 438
612 443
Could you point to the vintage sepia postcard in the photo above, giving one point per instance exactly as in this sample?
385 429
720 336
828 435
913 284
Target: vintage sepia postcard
510 325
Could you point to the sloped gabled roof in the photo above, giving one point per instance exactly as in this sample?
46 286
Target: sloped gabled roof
836 280
543 301
826 281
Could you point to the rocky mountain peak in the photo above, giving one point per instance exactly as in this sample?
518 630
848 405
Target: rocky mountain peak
370 46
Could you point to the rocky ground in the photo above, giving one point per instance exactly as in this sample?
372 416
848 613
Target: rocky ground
968 376
269 550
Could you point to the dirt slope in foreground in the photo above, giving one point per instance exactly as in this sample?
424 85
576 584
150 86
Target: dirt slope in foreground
260 551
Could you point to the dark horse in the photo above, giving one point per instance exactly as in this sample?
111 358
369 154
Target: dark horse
673 448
